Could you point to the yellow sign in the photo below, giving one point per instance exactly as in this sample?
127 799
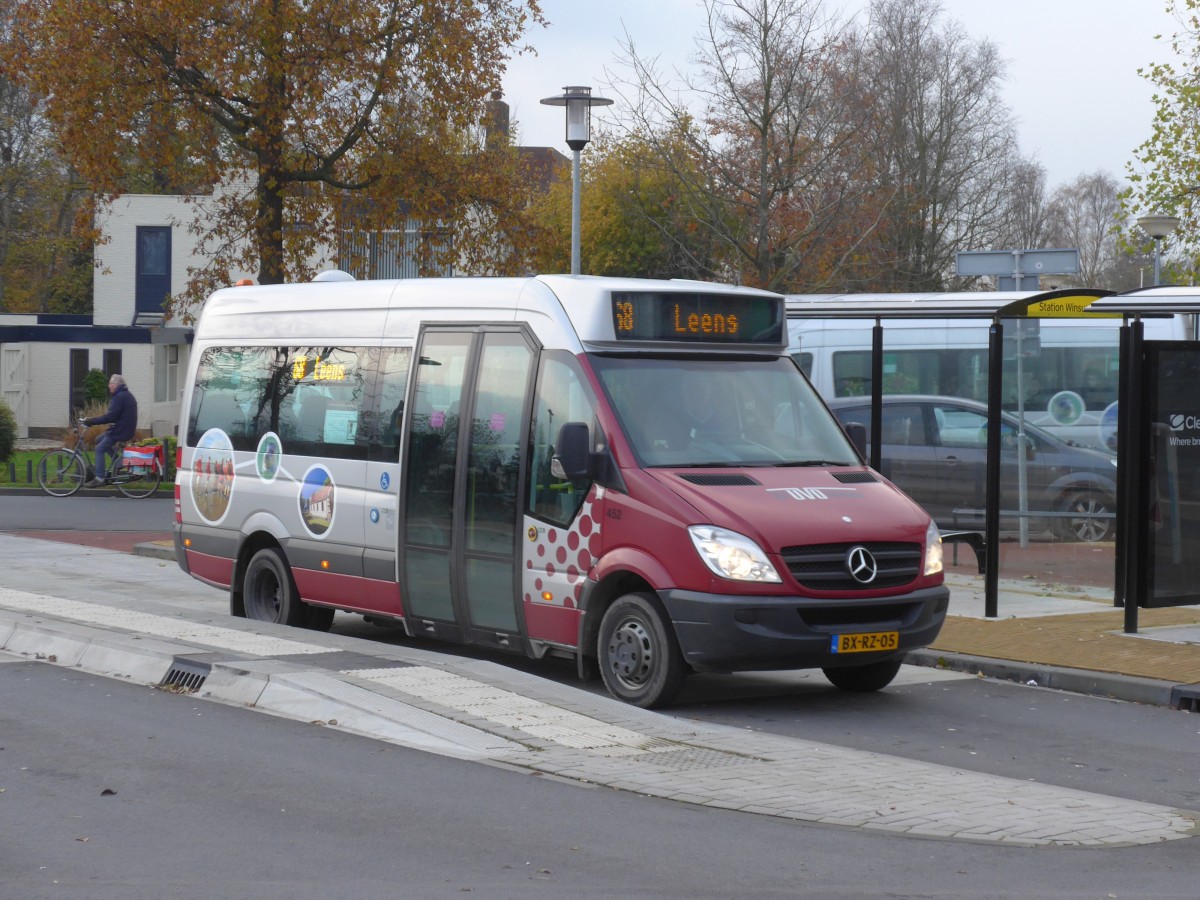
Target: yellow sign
321 371
1072 306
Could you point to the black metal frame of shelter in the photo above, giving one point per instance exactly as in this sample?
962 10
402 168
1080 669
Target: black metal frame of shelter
993 305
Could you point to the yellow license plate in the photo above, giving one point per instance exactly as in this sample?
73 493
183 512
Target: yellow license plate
866 642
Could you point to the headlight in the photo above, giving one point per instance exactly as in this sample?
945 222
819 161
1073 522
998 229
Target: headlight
732 555
933 550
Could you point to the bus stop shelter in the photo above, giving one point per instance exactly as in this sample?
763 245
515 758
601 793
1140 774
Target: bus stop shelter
1158 480
993 307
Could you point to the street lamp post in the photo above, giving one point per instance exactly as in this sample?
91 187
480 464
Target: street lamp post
579 102
1158 226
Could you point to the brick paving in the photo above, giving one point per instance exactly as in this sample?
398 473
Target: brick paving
1094 642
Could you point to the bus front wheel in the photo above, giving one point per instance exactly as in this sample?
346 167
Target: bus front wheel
639 659
269 590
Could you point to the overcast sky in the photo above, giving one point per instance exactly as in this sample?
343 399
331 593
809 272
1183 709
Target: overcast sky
1072 67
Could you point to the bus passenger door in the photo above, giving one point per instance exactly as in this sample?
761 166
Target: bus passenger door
491 488
461 470
563 515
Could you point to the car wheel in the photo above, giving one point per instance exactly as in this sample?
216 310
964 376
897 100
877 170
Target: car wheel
865 678
1087 517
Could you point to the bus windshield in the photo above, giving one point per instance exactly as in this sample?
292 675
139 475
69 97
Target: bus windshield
721 411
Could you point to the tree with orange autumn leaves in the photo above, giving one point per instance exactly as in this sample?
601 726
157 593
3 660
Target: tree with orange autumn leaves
289 109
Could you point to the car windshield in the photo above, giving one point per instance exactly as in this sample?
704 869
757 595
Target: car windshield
727 411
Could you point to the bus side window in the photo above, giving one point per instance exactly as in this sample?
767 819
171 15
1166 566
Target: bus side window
228 383
387 418
562 396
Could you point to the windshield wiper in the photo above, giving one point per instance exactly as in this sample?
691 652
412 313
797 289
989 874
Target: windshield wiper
700 465
815 462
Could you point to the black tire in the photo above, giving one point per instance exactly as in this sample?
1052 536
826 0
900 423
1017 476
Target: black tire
639 657
60 473
320 618
140 483
1086 521
865 678
269 591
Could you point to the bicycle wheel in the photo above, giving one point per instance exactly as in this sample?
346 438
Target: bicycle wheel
138 481
60 473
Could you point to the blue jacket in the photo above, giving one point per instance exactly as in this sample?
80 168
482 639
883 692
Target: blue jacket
122 413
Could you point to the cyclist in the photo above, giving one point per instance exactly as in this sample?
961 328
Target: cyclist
122 415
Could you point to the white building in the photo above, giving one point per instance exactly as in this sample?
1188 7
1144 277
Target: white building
146 249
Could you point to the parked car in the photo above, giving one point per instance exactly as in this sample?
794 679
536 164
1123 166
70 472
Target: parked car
935 449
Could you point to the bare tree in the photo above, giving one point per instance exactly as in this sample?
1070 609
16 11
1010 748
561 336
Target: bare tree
946 139
1085 214
766 141
1028 206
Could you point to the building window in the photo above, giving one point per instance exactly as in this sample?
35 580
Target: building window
166 373
112 363
153 284
78 373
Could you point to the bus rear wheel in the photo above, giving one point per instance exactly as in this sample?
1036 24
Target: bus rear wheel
320 618
639 659
269 591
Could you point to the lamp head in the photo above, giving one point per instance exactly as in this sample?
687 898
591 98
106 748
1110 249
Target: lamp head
578 100
1158 225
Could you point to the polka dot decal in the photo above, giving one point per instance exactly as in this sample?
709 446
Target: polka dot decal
557 560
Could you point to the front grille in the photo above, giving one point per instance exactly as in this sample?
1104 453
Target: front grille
719 479
822 567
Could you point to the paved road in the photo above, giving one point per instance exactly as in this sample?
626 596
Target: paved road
140 617
115 790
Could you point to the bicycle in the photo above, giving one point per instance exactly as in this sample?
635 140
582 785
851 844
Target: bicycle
62 472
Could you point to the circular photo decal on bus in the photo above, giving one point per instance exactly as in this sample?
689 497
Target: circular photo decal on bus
212 475
266 460
1108 427
316 501
1066 407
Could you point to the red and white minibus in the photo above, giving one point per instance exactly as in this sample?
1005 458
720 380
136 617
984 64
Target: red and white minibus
632 473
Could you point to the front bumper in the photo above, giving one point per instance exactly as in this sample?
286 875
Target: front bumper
727 633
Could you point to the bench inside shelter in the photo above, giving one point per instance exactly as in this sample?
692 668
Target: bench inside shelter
973 539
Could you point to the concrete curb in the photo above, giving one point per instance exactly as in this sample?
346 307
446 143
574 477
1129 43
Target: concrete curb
1151 691
155 550
289 690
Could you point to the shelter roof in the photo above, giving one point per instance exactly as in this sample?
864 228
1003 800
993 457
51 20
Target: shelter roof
1161 300
960 305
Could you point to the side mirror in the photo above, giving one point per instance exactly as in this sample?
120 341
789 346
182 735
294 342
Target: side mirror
572 452
857 432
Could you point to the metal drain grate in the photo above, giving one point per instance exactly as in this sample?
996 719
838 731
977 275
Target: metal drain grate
186 675
693 758
1186 697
